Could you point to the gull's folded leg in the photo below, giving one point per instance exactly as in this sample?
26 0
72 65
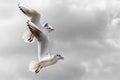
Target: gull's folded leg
28 37
38 69
31 37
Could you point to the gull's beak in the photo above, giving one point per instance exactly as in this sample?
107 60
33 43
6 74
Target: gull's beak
61 57
52 29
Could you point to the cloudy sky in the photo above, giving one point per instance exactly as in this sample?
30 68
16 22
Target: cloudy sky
87 33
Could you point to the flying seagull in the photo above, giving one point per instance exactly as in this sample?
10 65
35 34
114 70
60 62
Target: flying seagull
45 58
34 18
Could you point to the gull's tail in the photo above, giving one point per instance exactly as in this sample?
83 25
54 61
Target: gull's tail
33 66
28 37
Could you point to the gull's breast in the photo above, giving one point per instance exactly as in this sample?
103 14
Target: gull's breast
48 63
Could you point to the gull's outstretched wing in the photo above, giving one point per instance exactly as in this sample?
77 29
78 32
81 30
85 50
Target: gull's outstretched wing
35 19
42 39
33 14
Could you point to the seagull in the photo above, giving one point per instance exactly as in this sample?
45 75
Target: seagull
34 18
45 58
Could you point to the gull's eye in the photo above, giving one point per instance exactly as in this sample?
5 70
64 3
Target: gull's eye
57 55
46 24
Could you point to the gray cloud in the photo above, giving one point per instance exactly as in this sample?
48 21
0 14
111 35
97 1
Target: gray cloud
80 35
73 23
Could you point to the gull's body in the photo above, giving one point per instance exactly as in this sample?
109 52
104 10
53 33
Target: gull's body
37 66
45 59
34 18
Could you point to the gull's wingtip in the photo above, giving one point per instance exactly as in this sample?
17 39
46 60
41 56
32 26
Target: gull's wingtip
19 4
26 37
28 23
32 66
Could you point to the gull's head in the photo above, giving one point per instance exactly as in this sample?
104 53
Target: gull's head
48 27
58 57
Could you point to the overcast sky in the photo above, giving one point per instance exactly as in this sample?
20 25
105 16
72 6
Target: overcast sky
87 34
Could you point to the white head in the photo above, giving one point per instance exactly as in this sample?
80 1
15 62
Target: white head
58 56
48 27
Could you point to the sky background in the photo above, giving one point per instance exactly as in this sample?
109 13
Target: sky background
87 34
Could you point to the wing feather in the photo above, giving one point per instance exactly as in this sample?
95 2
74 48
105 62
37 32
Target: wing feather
33 14
42 40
